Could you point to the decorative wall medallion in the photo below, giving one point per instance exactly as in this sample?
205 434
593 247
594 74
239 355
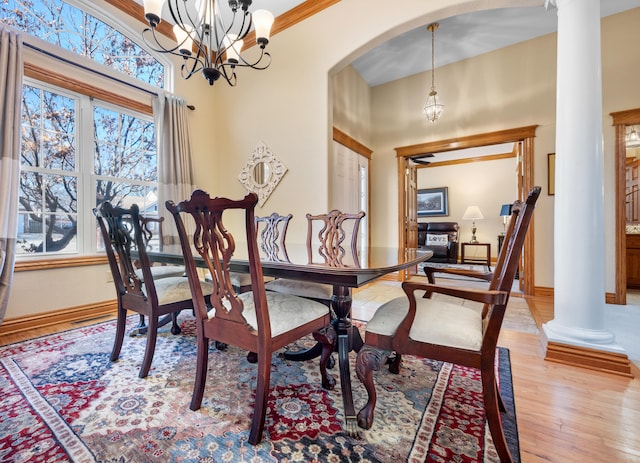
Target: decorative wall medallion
262 173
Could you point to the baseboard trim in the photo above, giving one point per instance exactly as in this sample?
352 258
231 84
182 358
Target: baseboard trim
584 357
543 291
72 314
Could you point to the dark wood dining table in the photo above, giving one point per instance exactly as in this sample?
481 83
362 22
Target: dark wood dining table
374 262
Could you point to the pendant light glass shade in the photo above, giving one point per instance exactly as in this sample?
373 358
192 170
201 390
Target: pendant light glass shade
433 107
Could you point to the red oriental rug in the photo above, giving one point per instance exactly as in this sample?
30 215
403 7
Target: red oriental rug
64 401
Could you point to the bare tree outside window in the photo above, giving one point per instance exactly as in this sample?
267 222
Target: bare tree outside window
68 27
123 168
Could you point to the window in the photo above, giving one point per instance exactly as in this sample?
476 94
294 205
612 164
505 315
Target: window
76 153
66 26
83 141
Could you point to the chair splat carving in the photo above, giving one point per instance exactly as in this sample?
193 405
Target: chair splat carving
332 236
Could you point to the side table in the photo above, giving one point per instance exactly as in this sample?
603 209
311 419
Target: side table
476 260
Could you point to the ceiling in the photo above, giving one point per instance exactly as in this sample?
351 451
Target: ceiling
464 36
457 38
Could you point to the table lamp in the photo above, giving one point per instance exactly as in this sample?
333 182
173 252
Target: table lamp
505 211
473 213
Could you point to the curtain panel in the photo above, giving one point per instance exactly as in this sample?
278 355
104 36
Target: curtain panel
175 171
11 72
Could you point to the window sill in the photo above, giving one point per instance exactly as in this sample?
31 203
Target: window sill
53 263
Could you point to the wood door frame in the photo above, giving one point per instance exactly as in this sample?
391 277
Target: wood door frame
524 135
621 120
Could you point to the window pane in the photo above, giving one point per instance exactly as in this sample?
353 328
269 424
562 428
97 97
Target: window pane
124 146
126 194
56 195
30 194
68 27
61 193
58 233
48 130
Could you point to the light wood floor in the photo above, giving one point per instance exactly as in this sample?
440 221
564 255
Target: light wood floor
565 414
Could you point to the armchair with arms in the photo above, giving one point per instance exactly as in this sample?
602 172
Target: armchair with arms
448 332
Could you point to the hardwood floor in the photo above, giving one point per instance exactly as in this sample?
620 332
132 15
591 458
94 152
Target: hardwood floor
565 414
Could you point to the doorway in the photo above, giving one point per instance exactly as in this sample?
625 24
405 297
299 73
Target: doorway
621 121
406 212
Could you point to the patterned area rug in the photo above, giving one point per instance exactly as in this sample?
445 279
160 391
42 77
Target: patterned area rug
63 400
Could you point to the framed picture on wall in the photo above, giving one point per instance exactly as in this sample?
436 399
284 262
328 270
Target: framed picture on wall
433 202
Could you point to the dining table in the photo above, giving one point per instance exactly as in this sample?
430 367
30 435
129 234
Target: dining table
373 263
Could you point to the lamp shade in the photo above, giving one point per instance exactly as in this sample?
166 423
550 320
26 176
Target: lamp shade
472 213
505 210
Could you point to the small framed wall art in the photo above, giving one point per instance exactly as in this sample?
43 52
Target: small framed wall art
433 202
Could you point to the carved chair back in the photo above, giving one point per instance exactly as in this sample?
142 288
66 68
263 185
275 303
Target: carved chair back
272 236
331 237
216 246
122 233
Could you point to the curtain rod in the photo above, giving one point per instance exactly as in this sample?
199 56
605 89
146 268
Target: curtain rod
87 68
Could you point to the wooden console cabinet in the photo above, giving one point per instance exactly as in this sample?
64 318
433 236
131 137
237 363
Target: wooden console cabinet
633 261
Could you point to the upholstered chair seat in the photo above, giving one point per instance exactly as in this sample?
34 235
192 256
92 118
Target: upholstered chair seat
285 312
311 290
436 322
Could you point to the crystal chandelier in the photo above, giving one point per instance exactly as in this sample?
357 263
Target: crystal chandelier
432 107
208 40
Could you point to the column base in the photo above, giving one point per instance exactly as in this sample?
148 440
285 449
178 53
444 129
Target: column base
599 356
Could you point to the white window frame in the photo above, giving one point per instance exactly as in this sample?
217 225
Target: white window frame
86 237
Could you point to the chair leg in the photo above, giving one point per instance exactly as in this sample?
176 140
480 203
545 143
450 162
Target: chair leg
202 361
368 360
152 335
262 394
394 364
494 420
327 336
120 326
175 328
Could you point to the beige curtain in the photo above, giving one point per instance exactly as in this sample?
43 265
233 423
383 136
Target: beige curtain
11 70
175 173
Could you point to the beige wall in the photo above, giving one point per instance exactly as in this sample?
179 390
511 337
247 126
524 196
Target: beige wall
351 98
289 108
486 184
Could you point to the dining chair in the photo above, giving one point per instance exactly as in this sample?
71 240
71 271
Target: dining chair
152 298
448 332
326 236
326 247
272 231
258 321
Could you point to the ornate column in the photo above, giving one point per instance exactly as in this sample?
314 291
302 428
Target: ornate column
579 275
